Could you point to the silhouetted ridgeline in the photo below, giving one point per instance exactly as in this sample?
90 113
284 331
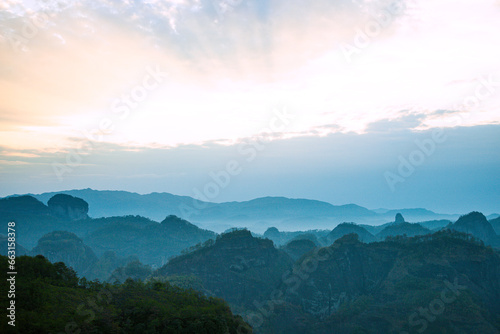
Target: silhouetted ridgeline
258 214
348 278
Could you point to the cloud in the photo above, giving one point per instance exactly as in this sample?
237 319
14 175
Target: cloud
445 112
460 176
405 122
228 67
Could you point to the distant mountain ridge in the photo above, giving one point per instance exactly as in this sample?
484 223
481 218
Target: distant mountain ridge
257 214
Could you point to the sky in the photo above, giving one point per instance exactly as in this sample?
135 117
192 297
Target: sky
386 104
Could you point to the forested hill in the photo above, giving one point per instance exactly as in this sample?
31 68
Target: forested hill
351 286
49 298
236 267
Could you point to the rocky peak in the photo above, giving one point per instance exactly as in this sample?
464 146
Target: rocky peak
476 224
399 219
68 207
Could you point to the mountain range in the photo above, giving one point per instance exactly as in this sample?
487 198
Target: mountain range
257 214
344 278
350 286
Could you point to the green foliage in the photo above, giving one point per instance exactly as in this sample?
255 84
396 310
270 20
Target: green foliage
235 233
183 281
51 299
134 270
152 243
355 307
198 246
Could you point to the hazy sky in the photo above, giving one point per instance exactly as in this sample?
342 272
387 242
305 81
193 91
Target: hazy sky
380 103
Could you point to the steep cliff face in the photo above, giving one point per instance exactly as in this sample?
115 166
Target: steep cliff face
237 267
68 207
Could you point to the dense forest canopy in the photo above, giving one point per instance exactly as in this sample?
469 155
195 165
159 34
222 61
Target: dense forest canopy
50 298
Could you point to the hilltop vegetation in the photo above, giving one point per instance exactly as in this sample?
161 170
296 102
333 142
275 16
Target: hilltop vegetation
404 228
347 228
350 286
51 299
152 243
476 224
350 279
377 287
62 246
236 267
